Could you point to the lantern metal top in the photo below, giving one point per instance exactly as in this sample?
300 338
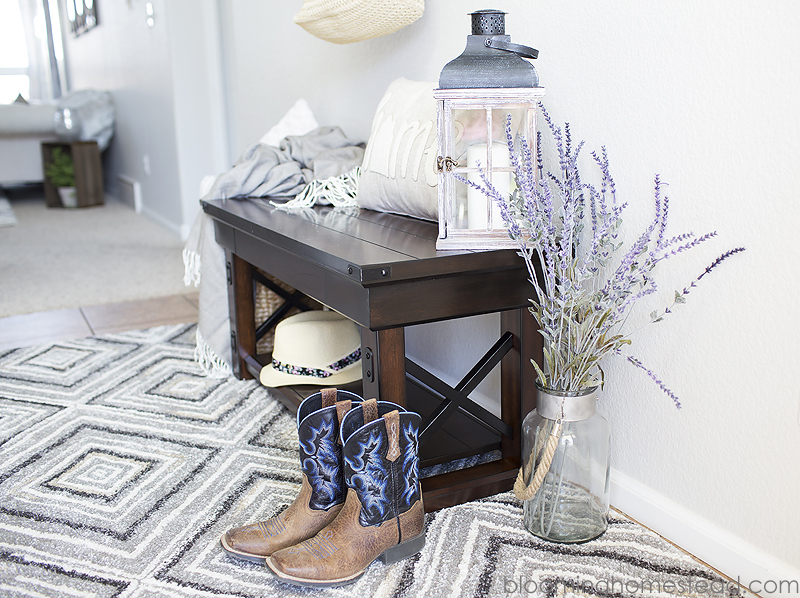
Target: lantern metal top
490 60
488 22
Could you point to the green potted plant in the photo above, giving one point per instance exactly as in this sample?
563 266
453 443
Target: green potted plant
60 171
585 285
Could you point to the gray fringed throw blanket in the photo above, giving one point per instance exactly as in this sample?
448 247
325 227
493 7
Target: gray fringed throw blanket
296 167
285 171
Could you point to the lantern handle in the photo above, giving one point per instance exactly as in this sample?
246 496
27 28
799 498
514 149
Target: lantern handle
518 49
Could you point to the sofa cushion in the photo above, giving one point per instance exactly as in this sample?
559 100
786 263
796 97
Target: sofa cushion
27 119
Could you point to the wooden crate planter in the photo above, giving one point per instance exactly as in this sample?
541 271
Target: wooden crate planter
88 172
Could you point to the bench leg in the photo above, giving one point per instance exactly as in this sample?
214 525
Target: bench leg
241 305
383 361
512 382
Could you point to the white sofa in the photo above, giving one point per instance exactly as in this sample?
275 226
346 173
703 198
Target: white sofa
83 115
22 129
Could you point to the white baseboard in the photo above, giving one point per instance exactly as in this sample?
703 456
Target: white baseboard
756 570
130 192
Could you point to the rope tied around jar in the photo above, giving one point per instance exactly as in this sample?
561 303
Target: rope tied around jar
523 492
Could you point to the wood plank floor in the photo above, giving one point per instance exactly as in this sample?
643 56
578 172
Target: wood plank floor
48 326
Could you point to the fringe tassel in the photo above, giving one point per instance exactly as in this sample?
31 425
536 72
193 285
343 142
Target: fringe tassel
340 191
210 362
191 265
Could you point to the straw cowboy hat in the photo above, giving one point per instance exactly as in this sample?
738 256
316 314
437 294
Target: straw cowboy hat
314 347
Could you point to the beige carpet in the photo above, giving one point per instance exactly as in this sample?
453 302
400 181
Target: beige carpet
57 258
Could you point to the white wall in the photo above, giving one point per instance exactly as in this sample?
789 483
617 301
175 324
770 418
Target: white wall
131 60
166 84
702 93
199 98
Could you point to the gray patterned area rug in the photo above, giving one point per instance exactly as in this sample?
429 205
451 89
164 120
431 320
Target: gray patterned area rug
121 465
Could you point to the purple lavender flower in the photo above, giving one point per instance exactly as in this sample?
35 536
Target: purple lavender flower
719 260
655 379
581 300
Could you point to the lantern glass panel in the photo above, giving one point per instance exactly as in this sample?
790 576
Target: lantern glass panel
472 144
460 218
480 146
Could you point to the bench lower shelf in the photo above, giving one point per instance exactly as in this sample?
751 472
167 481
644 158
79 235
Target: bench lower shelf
460 437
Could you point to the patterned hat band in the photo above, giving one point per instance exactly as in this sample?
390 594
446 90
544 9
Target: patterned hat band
296 370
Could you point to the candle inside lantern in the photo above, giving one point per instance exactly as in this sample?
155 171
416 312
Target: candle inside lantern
477 202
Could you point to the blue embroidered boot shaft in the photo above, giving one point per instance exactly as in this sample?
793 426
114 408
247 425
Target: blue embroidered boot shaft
383 515
321 449
323 490
381 460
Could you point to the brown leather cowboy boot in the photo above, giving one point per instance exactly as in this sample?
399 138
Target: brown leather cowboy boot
322 492
382 517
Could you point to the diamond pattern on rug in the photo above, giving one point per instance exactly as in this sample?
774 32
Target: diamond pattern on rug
62 372
185 386
16 416
121 465
59 358
249 490
511 557
20 576
101 474
159 468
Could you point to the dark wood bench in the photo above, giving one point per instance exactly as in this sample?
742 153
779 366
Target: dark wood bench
383 272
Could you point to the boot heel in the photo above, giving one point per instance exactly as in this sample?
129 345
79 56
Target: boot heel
403 550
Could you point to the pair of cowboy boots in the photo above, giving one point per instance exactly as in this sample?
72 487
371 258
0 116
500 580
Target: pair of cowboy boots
360 498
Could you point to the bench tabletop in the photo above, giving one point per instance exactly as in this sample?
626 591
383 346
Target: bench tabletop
368 246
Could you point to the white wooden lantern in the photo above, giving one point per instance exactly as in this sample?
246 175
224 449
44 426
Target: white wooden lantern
477 92
472 138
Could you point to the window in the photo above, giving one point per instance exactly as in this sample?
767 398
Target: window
14 79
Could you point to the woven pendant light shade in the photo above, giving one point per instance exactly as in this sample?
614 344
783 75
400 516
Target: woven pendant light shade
348 21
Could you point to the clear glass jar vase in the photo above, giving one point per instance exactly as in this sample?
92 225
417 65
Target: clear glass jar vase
565 468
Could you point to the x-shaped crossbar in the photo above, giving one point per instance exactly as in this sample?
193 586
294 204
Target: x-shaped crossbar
455 398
